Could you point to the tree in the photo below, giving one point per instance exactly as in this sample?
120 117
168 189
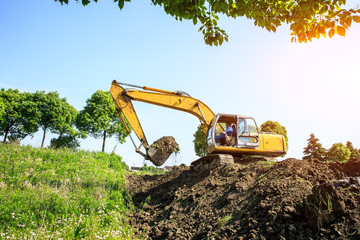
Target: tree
314 148
200 144
19 115
338 152
68 141
55 114
275 127
354 153
100 119
307 19
2 110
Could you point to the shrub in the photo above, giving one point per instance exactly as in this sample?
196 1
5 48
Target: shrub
151 170
338 152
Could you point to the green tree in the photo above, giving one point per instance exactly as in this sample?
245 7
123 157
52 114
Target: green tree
338 152
65 140
200 144
307 19
19 116
354 153
55 114
2 111
100 119
275 127
314 149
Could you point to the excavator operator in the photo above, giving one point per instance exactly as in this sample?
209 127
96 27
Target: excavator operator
226 138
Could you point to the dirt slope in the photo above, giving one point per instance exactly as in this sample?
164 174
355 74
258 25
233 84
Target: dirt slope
292 199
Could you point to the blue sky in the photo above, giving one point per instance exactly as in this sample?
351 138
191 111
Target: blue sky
76 50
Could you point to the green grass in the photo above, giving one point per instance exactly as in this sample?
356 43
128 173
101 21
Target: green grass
151 170
53 194
225 220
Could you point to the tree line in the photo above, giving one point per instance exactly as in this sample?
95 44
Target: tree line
338 151
23 114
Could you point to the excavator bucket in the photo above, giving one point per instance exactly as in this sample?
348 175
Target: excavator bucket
161 150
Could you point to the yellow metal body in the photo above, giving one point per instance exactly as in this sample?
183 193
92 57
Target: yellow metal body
270 144
123 97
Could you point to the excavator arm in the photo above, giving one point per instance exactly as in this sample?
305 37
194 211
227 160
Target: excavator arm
177 100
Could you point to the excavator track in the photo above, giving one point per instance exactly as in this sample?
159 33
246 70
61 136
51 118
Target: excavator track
213 161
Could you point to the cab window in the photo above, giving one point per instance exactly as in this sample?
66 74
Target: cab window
251 126
247 131
241 126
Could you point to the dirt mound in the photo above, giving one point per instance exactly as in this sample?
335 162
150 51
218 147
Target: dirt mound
292 199
161 149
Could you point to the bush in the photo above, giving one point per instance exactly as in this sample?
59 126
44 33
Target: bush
151 170
275 127
338 152
200 144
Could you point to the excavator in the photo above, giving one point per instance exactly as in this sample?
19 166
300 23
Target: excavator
230 138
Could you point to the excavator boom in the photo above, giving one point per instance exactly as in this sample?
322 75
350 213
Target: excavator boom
177 100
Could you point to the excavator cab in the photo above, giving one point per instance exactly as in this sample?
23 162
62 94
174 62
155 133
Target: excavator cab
245 140
229 131
224 133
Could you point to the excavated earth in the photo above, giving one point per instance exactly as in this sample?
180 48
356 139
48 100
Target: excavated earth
291 199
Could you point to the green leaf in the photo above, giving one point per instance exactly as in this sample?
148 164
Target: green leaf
85 2
121 4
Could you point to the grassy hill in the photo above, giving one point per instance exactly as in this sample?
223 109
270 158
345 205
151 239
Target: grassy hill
47 193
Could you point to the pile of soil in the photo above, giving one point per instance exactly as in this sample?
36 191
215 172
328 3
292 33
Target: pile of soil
291 199
161 149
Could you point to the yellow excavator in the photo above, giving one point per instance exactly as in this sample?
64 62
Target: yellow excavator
230 137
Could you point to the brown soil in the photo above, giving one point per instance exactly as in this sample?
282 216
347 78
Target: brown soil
161 149
291 199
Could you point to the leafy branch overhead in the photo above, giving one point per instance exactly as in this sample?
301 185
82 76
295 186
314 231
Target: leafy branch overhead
308 19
